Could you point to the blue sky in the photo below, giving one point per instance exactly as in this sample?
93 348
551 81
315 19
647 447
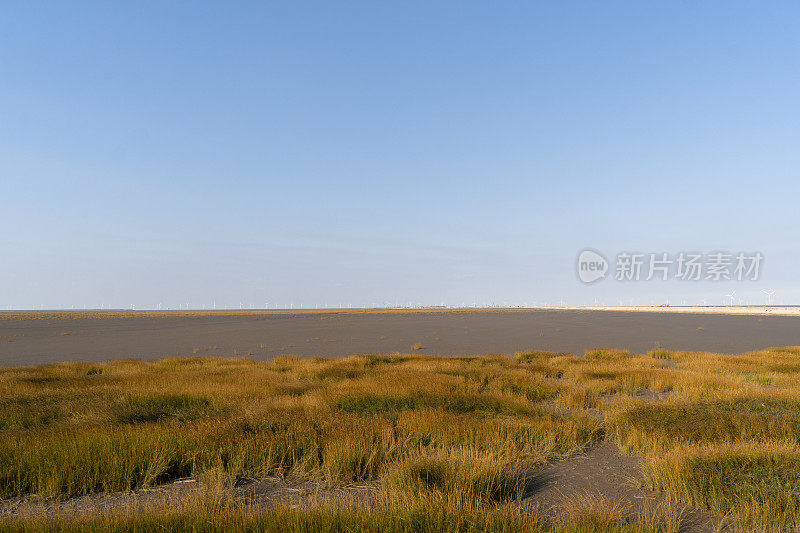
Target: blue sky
368 153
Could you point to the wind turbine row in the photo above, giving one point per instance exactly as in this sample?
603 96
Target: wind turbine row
769 294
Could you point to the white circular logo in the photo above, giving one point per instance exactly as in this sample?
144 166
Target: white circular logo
591 266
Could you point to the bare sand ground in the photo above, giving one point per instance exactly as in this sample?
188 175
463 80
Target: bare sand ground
36 338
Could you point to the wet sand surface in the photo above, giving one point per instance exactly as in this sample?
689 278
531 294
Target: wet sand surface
99 337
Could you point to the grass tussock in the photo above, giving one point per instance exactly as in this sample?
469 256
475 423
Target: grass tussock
531 439
594 513
660 353
82 461
758 484
457 477
661 425
155 407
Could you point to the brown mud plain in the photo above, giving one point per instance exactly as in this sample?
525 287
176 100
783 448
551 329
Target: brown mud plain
36 338
221 429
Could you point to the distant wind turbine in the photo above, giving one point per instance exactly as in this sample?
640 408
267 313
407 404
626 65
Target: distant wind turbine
769 294
730 296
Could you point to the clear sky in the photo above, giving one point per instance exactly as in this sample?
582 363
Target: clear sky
362 153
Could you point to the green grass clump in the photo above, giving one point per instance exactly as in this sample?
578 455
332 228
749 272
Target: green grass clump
532 390
530 439
26 412
452 401
606 355
656 425
457 477
359 448
545 363
377 403
757 484
77 462
536 356
155 407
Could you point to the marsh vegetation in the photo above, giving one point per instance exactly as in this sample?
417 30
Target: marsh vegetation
450 443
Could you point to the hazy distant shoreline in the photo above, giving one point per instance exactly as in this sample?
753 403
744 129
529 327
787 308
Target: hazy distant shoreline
772 310
123 313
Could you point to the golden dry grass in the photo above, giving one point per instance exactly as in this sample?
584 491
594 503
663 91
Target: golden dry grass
72 429
458 434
